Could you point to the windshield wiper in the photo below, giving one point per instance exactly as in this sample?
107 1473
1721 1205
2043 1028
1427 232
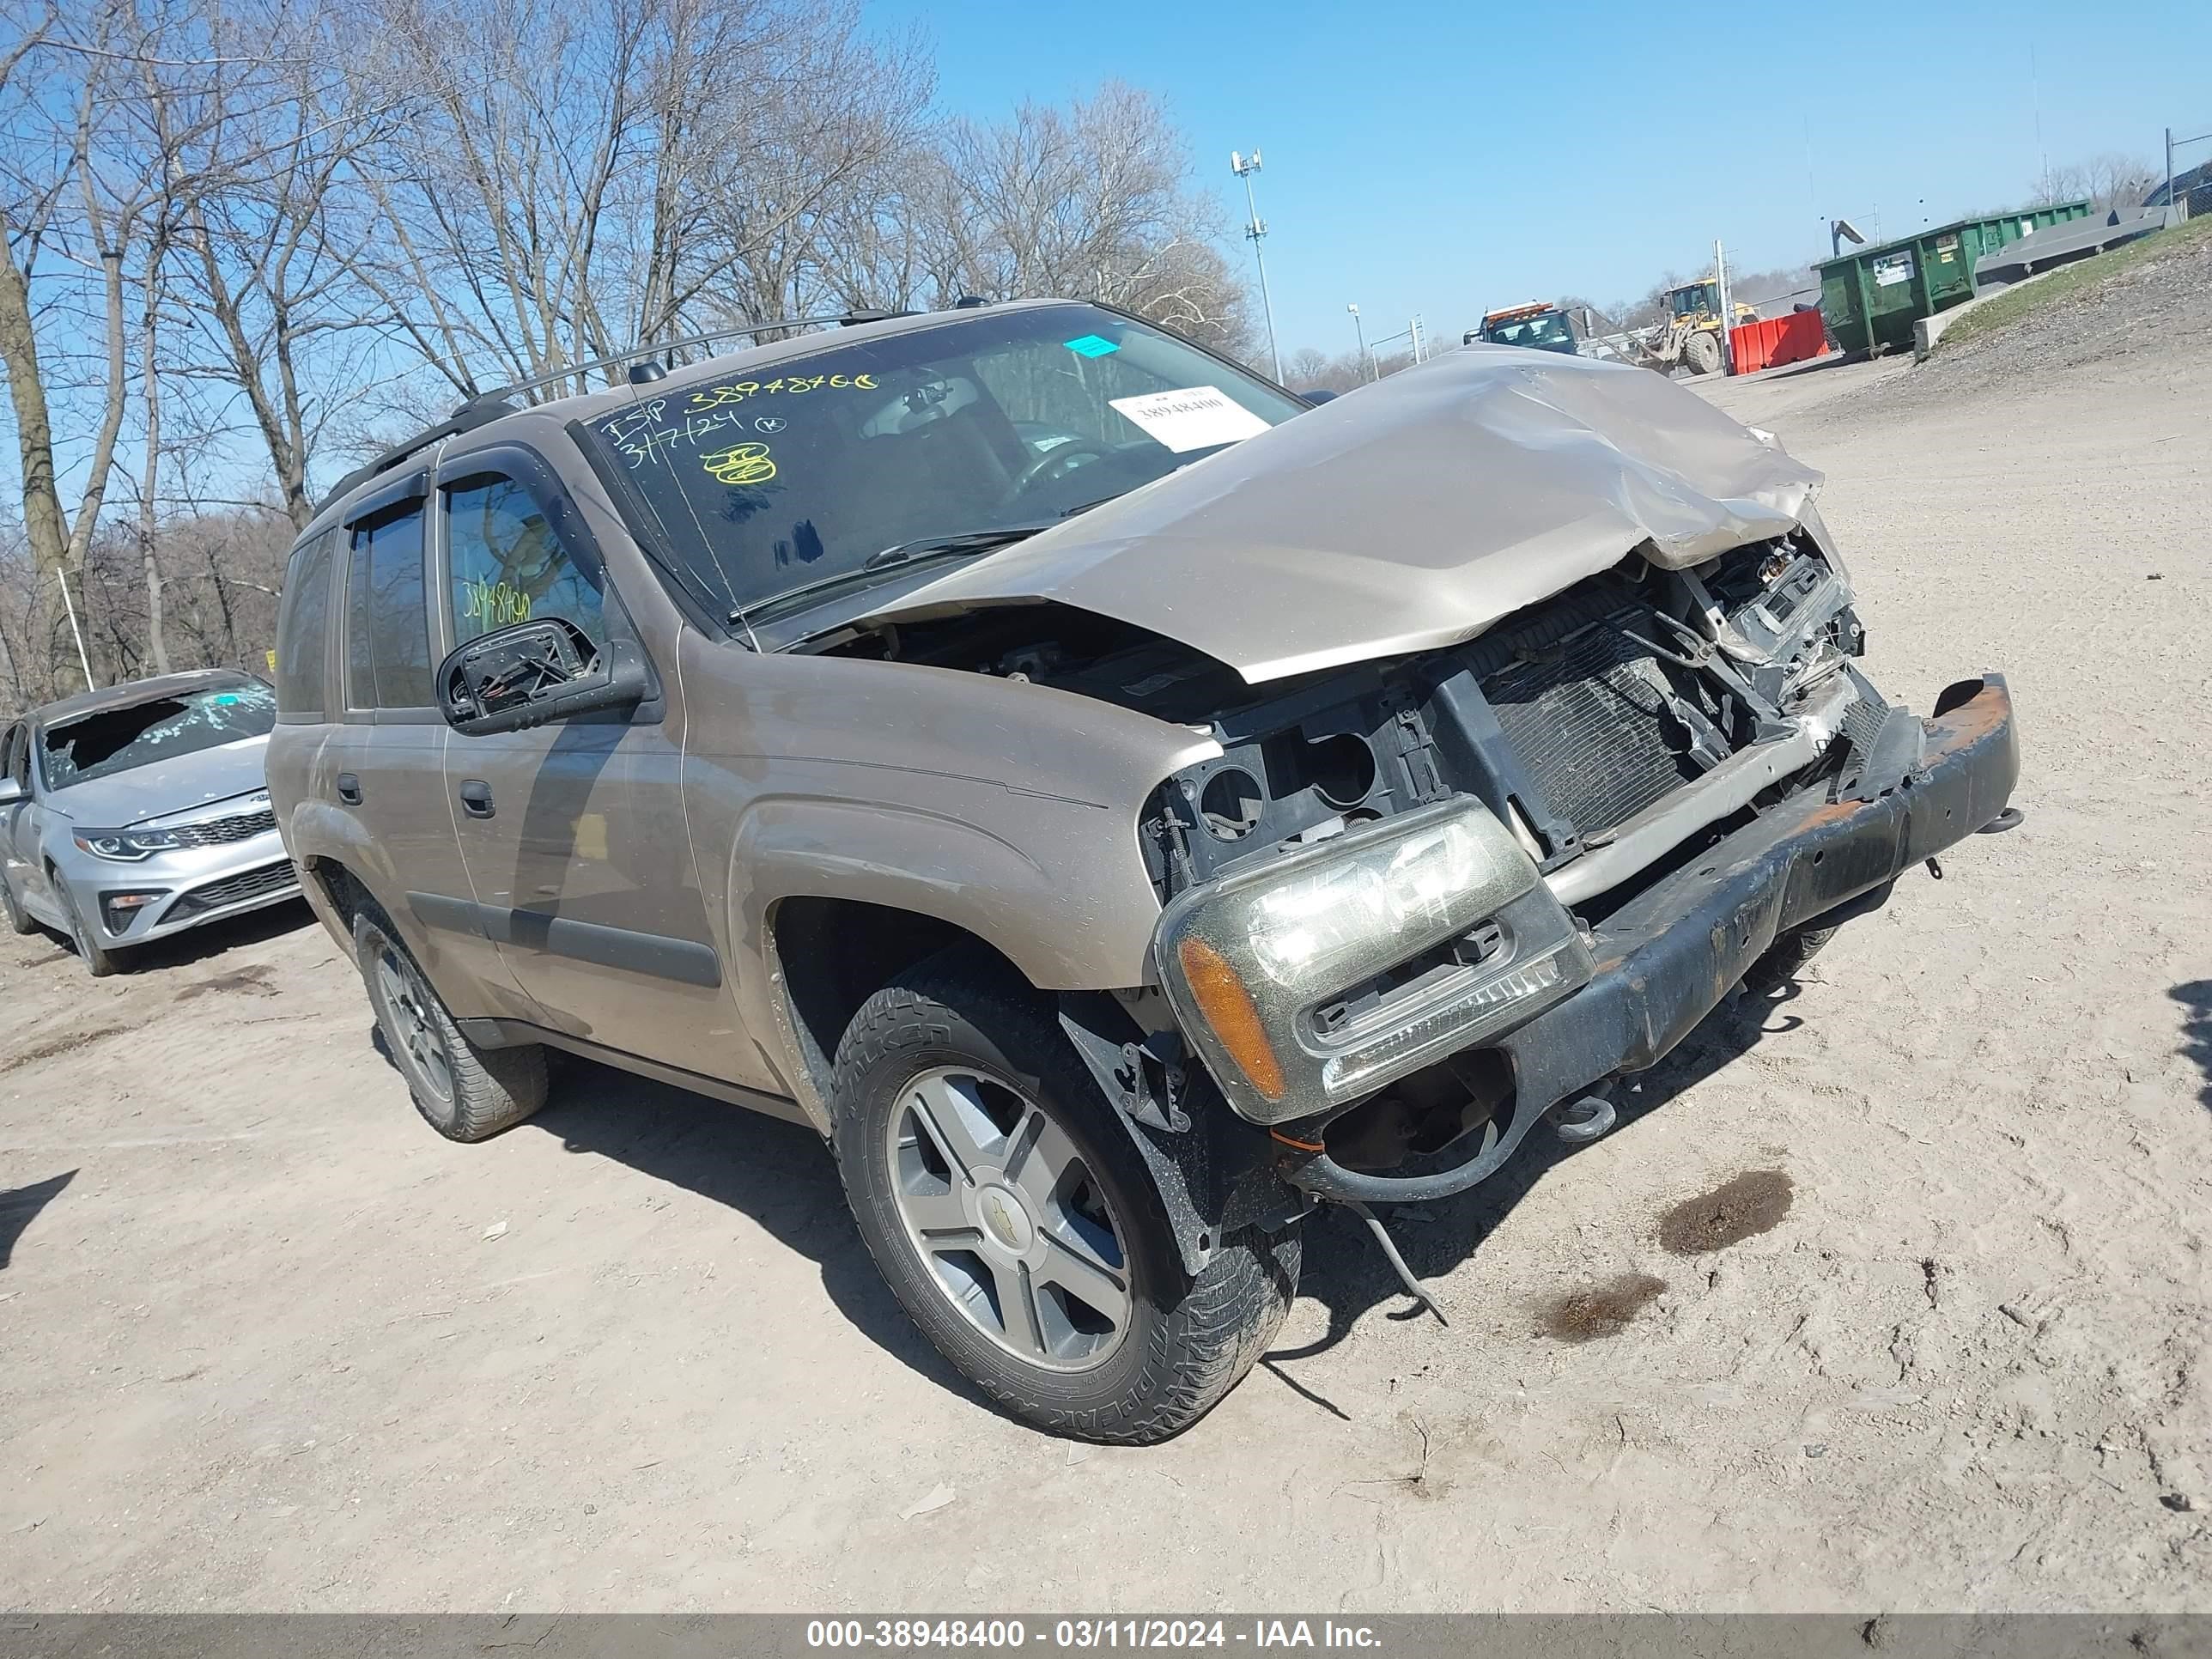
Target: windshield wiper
968 541
921 550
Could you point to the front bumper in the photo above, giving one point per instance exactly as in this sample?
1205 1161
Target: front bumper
195 886
1666 958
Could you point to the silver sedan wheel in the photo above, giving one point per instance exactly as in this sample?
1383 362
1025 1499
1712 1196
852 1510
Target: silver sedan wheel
406 1001
1014 1229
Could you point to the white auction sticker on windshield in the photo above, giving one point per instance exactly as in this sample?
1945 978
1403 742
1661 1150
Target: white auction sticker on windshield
1197 418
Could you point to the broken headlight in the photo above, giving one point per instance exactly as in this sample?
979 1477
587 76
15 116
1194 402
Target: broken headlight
1311 981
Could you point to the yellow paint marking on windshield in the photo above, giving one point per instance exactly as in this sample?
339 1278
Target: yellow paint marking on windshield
740 464
736 391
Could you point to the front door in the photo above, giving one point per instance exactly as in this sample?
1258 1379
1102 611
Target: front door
573 832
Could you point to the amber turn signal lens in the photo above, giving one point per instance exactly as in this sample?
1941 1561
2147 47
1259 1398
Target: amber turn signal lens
1227 1005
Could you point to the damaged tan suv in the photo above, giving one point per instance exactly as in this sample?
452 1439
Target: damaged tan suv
1118 805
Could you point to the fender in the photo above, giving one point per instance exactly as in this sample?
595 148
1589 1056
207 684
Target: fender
1006 809
1056 929
317 828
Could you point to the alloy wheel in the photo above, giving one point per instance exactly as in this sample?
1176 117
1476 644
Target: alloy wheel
1013 1226
406 1001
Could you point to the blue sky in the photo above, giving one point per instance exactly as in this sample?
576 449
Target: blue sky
1423 156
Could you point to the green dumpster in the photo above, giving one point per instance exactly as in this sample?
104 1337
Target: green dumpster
1871 296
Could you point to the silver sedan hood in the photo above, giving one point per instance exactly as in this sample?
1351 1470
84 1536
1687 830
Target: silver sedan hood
1412 514
160 788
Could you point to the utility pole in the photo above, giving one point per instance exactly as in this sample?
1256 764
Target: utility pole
1420 337
2169 175
1366 362
1728 312
1245 167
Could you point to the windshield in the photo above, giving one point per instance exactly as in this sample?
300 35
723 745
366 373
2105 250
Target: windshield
759 481
1688 301
117 739
1547 329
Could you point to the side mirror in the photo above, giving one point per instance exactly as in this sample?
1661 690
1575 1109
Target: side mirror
1317 396
537 671
10 792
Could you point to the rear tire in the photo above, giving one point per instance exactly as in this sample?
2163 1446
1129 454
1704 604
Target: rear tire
463 1092
1785 959
1050 1275
1703 353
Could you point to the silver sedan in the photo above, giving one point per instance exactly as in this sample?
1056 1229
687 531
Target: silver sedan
140 810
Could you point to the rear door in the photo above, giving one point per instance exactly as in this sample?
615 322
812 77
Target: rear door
386 755
573 832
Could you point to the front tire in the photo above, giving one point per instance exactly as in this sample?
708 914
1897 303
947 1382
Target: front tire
19 919
1010 1214
98 961
463 1092
1703 353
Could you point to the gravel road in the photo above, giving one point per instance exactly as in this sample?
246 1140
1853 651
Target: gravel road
1890 1294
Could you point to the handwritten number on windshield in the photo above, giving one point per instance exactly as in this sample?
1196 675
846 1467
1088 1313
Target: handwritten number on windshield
717 396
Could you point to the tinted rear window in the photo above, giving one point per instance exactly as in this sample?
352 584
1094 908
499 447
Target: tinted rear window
118 739
387 622
303 627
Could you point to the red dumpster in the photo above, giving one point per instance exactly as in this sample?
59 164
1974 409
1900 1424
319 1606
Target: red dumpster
1777 340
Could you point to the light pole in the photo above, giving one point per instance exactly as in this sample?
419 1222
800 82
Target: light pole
1245 167
1366 362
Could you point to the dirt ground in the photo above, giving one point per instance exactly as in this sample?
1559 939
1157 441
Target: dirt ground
1890 1294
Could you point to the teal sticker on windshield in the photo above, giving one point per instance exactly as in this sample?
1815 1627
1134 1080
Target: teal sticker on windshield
1092 345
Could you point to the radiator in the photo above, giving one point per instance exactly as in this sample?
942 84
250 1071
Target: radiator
1590 724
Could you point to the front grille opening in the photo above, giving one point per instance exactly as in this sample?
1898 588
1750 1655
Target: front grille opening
224 832
258 883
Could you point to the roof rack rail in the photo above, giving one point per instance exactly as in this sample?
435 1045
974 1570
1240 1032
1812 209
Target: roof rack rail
487 406
477 412
842 318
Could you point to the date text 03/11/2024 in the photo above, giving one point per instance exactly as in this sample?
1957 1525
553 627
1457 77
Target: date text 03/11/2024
1263 1634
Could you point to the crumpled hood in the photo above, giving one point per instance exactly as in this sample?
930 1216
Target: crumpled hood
162 787
1410 515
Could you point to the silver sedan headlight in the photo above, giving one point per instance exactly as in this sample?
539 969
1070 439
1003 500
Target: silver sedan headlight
126 846
1313 979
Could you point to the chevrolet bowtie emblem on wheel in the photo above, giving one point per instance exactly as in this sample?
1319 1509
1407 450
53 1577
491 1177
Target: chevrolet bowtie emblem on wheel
1001 1218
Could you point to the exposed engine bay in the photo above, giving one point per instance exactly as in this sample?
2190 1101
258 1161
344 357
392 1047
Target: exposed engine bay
1576 721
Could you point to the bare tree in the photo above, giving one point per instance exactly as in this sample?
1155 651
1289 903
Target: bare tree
1092 201
271 241
2109 180
54 92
